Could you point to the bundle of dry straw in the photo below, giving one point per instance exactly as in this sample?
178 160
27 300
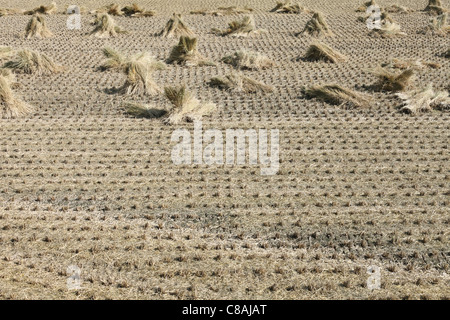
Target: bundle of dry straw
317 26
186 53
423 100
32 62
176 27
185 106
321 52
37 28
240 28
337 95
289 7
246 59
240 83
138 70
105 27
10 105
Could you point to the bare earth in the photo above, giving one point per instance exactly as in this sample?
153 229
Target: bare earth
82 183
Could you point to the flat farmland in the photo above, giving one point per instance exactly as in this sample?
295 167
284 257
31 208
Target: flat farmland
82 183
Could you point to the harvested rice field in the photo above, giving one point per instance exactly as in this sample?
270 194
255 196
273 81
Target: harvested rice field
93 204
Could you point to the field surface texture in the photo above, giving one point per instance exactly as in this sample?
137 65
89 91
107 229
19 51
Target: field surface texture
82 183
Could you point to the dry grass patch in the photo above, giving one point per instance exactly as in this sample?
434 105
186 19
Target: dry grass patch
245 59
317 26
50 9
392 81
186 53
318 51
37 28
105 27
438 26
143 110
224 11
10 105
176 27
240 83
241 28
32 62
337 95
424 100
185 106
289 7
